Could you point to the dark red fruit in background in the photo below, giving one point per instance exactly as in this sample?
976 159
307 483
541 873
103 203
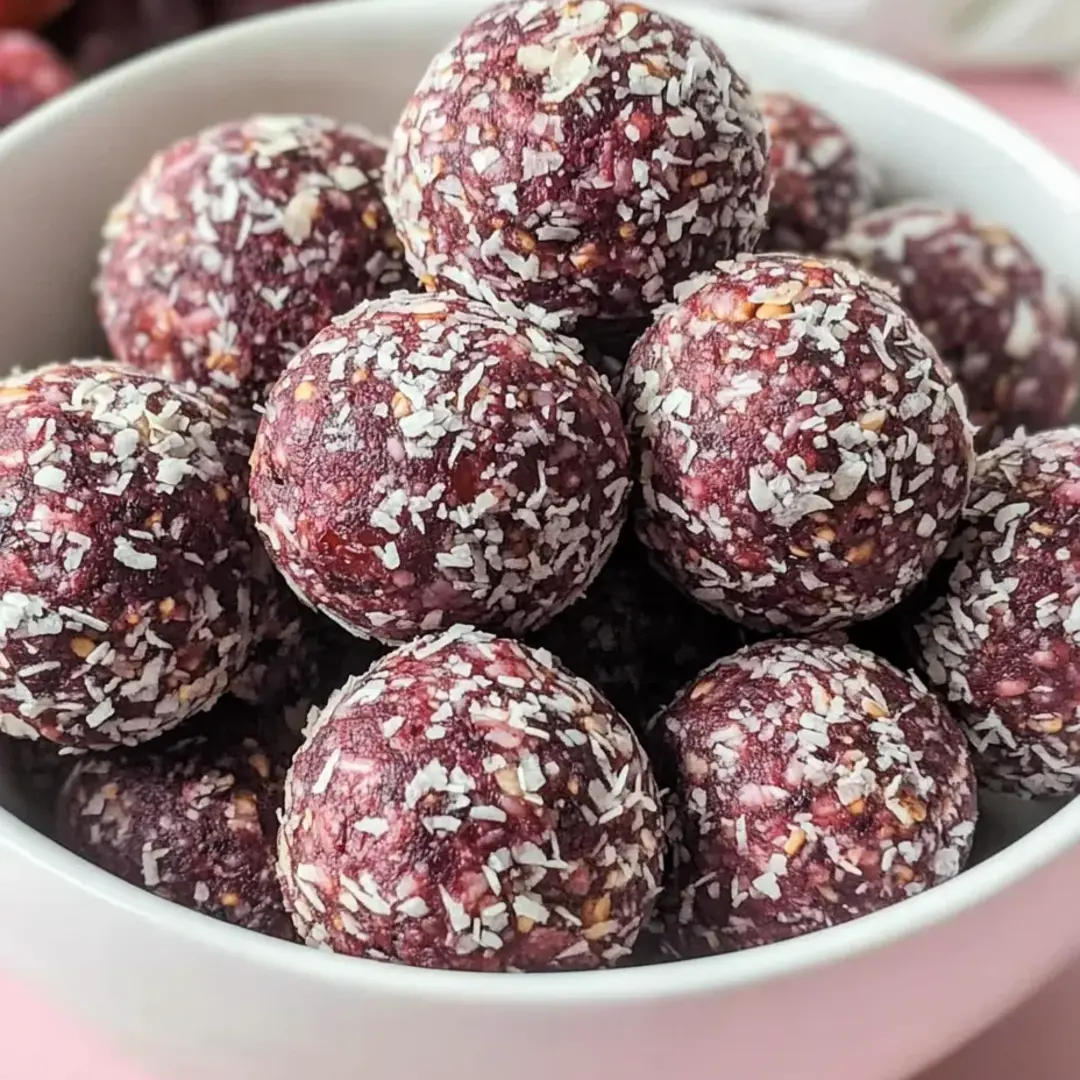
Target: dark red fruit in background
31 72
29 13
95 34
221 11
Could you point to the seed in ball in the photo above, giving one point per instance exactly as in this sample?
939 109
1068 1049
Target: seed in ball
426 461
1003 641
469 804
235 247
126 558
193 821
576 159
803 452
820 181
817 783
987 305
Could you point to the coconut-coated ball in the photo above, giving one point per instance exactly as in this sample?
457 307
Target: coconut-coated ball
469 804
236 246
987 305
192 820
803 451
820 180
426 461
576 159
127 556
1003 640
817 783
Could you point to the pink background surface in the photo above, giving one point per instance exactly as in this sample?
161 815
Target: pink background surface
1040 1042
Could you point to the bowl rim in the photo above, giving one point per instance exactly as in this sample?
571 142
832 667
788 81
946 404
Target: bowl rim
688 978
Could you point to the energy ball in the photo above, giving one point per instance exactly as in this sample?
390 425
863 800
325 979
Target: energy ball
126 556
820 182
471 468
818 783
635 637
31 72
469 804
576 159
980 296
1003 641
803 452
236 246
194 822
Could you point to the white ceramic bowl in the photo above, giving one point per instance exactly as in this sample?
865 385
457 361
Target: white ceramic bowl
192 999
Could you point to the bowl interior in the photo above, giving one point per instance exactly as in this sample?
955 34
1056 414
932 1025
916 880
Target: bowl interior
63 167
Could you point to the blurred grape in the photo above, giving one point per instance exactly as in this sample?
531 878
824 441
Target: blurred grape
31 72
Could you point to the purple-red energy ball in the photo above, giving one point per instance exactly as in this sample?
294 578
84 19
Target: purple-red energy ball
469 804
132 581
236 246
820 181
1003 642
817 783
576 159
803 453
193 821
426 461
987 305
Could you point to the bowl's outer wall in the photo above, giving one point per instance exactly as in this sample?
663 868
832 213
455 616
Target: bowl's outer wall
200 1012
214 1005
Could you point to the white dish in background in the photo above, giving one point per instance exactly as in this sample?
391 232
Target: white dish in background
192 999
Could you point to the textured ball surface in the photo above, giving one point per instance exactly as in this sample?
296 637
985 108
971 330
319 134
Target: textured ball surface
803 452
469 804
31 72
576 159
127 555
471 468
1003 642
636 638
820 182
984 301
235 247
817 783
194 822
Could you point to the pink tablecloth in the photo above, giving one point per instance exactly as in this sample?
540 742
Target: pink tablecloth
1039 1043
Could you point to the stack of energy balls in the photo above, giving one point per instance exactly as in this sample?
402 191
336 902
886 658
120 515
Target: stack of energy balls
605 677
